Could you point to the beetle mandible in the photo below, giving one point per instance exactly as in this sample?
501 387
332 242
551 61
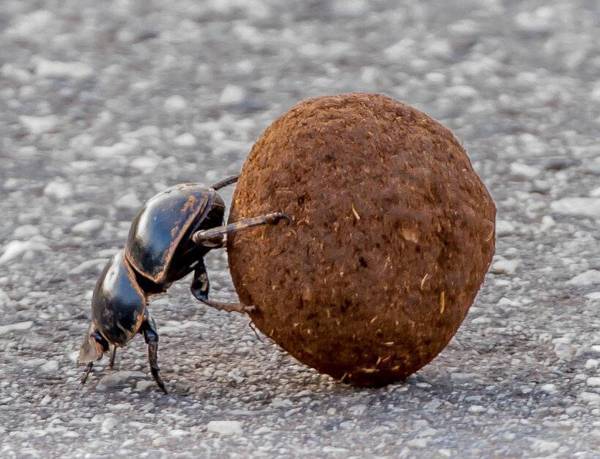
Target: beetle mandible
168 239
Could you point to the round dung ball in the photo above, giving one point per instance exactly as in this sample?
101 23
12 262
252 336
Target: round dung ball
392 233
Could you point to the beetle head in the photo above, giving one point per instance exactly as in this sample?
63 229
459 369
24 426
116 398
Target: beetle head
93 347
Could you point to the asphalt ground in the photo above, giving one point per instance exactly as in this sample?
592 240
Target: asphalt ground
104 104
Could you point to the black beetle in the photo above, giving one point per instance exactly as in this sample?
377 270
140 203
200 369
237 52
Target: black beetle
167 240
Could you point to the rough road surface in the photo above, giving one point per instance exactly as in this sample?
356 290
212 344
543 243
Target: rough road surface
102 104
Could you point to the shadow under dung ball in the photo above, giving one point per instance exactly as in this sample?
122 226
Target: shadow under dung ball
392 233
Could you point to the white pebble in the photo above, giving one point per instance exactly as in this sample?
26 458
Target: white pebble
15 249
593 381
30 24
589 277
549 388
117 149
232 95
108 425
504 228
523 171
585 207
591 364
39 124
175 104
26 231
50 366
145 164
547 223
128 201
89 266
185 140
19 326
58 189
590 397
225 427
544 446
88 226
5 300
504 266
56 69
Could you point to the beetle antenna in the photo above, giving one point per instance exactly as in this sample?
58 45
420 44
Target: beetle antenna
225 182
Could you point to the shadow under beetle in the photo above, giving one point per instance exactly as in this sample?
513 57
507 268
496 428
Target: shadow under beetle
167 240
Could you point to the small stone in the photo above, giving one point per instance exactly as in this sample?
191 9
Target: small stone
175 104
523 171
591 364
232 95
476 409
16 249
587 278
593 381
544 446
26 231
549 388
119 378
16 327
144 385
146 164
128 201
50 367
185 140
55 69
37 125
504 266
116 149
30 24
88 227
504 228
547 223
108 425
225 427
59 190
590 397
89 266
5 300
584 207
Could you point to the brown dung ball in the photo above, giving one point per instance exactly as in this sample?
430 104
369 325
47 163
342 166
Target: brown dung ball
392 233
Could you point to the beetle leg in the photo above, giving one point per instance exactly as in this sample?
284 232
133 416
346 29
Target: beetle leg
111 363
217 237
226 181
200 287
88 370
151 337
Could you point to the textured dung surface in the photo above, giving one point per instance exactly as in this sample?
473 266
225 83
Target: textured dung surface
392 235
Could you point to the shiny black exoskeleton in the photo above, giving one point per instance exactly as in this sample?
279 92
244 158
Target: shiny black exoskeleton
167 240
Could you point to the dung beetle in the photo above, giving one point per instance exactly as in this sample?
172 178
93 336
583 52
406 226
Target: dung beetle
168 239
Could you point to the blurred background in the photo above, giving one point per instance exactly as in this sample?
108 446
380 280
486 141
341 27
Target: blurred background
103 104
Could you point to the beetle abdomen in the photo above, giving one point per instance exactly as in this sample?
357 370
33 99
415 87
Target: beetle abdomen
118 303
159 227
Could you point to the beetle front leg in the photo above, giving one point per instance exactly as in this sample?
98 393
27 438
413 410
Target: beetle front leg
217 237
148 329
200 288
111 363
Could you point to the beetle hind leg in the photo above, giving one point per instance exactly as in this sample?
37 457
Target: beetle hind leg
214 238
200 288
151 338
